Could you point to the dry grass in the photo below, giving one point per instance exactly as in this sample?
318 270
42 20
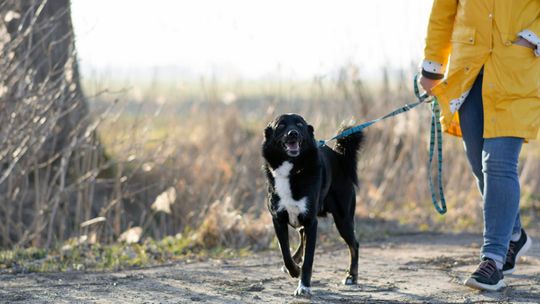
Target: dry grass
203 145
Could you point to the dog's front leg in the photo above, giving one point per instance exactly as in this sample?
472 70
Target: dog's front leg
304 286
282 233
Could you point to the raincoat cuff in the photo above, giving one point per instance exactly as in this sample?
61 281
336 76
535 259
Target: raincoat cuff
532 38
432 67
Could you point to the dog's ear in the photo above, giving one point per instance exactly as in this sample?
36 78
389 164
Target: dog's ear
311 130
268 132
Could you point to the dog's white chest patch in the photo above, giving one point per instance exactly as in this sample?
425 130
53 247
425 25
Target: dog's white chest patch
283 189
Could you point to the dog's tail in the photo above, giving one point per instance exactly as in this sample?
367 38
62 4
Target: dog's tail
347 148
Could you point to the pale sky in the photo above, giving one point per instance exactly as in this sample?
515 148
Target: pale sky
249 38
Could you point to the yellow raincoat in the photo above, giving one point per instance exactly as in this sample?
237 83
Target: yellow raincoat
479 33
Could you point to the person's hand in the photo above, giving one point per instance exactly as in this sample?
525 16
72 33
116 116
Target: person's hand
428 84
524 42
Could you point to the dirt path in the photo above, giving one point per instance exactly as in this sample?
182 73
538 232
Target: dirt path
414 269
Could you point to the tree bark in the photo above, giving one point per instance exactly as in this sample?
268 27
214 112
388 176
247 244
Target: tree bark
45 130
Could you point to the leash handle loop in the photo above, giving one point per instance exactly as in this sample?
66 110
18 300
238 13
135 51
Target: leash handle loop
436 137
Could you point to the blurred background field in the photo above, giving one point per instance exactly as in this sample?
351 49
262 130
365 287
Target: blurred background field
174 166
207 146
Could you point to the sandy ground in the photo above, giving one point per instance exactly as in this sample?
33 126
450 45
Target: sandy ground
418 268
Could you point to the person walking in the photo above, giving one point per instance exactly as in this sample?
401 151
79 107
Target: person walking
482 62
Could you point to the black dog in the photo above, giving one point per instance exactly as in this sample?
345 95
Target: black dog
305 181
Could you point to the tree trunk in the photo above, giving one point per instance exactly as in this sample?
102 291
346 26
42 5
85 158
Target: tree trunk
46 136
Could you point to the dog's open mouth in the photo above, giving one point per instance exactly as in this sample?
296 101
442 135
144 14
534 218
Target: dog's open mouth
292 148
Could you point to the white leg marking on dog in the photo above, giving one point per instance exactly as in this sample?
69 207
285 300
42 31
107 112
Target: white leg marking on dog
302 290
283 189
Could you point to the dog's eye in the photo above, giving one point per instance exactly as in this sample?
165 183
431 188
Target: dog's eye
280 126
299 124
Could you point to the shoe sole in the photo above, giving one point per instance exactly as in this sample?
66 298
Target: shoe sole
523 250
472 283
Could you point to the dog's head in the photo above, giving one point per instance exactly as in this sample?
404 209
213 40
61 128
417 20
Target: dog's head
290 135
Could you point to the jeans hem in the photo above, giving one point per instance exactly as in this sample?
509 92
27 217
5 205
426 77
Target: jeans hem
494 256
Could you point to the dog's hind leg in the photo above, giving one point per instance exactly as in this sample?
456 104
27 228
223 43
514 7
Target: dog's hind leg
299 253
282 233
345 226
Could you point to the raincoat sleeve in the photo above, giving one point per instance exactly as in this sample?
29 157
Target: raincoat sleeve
532 34
438 45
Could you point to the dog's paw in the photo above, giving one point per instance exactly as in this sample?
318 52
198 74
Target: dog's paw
302 291
295 273
350 280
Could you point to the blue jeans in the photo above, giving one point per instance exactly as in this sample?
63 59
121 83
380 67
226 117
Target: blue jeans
494 162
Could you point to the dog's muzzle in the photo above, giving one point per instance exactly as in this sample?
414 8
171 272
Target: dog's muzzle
291 143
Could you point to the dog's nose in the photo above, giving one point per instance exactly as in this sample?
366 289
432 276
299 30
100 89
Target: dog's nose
293 134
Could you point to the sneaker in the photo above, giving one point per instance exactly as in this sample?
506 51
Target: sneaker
515 250
486 277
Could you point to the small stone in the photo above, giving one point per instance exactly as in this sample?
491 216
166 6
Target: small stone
255 287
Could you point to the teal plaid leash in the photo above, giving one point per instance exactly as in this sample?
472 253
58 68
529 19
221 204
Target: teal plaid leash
435 138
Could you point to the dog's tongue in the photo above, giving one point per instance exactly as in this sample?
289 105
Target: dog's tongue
293 146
